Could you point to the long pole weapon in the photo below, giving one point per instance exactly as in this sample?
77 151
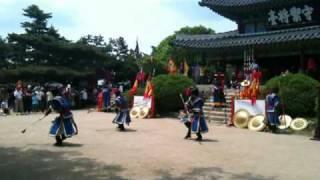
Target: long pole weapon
35 122
184 105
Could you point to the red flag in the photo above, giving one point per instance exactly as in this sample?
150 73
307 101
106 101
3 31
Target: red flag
134 88
148 92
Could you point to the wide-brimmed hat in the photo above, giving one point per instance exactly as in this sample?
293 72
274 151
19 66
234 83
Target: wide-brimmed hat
245 83
256 123
241 118
285 121
299 124
143 113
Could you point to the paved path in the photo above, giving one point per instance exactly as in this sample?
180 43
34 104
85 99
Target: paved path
151 149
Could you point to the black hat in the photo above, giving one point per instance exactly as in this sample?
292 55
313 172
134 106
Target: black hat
195 91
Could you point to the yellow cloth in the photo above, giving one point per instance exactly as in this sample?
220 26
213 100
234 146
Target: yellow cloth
186 68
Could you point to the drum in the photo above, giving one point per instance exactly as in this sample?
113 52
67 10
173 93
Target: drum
299 124
143 113
241 118
285 121
134 113
257 123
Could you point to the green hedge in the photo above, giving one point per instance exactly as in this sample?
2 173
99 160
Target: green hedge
298 93
167 89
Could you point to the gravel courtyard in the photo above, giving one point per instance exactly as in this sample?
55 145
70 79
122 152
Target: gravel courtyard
151 149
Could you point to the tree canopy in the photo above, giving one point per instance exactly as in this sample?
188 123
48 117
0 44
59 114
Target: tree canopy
42 45
165 49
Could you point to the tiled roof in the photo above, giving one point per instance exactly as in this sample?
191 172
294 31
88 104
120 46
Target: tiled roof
232 2
234 39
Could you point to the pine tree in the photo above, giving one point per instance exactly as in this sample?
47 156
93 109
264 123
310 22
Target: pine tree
38 25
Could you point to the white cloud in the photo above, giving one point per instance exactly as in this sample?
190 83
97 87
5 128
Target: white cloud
149 20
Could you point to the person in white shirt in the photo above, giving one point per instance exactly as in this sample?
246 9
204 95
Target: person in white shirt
18 94
84 97
49 97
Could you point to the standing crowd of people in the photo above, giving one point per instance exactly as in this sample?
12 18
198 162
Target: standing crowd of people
24 99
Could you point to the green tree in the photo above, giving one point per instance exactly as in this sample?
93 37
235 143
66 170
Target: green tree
137 54
4 53
38 25
97 41
119 48
165 49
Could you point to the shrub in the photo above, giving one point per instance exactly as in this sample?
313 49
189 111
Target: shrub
298 93
167 89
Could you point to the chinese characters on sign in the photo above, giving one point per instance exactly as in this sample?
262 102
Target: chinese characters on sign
294 14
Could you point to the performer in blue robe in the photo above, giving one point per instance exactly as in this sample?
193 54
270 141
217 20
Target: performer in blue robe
63 126
273 103
198 124
123 116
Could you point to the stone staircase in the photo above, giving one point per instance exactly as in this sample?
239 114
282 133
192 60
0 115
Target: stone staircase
219 115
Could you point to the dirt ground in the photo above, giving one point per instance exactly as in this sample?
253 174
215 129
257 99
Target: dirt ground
151 149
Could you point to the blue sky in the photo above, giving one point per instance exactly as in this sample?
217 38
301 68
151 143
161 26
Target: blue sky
148 20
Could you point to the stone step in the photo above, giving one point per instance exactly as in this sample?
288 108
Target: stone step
217 113
217 123
210 108
222 117
211 104
216 119
226 97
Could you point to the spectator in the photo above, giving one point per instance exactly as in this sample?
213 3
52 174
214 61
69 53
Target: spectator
35 103
83 98
4 107
18 95
42 99
49 97
27 100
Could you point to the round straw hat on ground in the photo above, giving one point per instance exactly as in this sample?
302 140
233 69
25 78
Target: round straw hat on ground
143 113
241 118
257 123
134 113
285 121
299 124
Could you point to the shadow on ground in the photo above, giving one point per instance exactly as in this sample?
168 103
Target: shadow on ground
212 173
16 164
40 164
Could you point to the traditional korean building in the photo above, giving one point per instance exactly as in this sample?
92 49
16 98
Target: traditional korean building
278 35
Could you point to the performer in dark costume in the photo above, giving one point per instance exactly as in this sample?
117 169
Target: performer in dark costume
122 116
63 126
198 123
272 103
218 94
316 136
